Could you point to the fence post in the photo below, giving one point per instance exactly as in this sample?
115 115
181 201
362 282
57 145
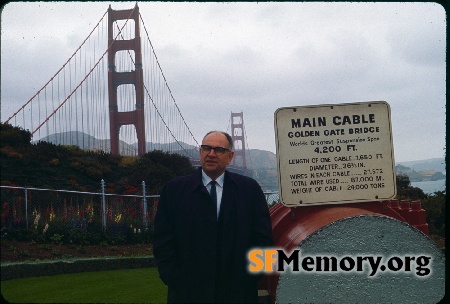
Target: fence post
144 200
26 206
103 206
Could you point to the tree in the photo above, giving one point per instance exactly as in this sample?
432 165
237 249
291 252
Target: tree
46 165
158 167
14 136
406 191
435 210
434 205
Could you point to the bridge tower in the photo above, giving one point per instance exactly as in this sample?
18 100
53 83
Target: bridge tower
237 133
115 79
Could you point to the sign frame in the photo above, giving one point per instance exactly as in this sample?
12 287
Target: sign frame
345 148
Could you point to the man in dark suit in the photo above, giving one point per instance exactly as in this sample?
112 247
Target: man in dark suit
204 230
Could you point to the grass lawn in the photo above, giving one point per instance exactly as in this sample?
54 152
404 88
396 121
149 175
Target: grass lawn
117 286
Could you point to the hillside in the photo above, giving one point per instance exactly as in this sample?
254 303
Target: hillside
85 141
261 159
419 176
423 170
46 165
435 164
261 162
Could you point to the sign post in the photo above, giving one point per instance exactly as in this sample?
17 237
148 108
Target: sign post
330 154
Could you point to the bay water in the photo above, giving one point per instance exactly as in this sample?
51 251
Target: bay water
429 187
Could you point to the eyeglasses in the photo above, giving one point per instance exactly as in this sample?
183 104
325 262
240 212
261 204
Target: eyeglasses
218 150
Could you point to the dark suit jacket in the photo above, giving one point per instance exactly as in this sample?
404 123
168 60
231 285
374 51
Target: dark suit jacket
203 259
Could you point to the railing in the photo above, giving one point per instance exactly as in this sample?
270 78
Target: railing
75 216
272 197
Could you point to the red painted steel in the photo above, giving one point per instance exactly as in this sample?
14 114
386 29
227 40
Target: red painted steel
292 225
395 205
405 207
136 117
418 218
237 133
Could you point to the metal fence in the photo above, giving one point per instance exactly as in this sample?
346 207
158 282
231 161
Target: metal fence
272 198
75 215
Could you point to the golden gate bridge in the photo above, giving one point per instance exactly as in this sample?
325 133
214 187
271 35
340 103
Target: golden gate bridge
111 95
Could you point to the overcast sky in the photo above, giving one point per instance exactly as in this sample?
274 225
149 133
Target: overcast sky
254 57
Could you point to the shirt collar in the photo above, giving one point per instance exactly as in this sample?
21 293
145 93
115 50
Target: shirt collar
206 179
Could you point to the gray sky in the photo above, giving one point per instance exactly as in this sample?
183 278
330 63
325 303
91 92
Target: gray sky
253 57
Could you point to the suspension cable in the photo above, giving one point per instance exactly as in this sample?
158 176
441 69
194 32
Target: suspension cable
58 70
82 81
159 66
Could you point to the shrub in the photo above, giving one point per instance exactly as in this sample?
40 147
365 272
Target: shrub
434 206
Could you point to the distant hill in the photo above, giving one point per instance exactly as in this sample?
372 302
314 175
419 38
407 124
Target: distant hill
85 141
418 176
256 159
261 159
436 164
262 162
88 142
264 166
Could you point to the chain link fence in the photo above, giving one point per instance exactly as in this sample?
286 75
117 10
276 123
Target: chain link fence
62 216
272 198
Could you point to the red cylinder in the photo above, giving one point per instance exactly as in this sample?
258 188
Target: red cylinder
300 227
290 226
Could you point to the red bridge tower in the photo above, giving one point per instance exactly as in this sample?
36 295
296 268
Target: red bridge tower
237 133
115 79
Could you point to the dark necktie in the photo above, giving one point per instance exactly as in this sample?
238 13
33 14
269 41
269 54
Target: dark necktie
213 192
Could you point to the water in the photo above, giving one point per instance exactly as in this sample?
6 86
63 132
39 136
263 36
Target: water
429 187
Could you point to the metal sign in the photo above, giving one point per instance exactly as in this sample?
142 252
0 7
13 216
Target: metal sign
330 154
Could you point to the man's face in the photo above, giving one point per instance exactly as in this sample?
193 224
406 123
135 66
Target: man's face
214 165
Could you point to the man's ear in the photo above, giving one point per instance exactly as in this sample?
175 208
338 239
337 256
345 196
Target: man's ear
230 157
